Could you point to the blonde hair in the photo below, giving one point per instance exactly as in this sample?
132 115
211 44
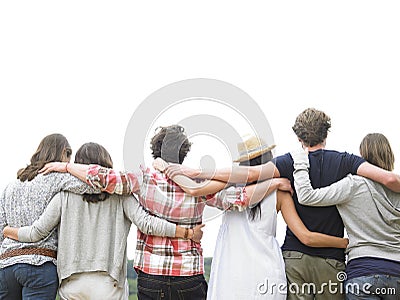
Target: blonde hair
375 148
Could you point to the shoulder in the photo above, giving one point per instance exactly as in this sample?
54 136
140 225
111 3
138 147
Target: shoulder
283 158
343 155
154 177
284 164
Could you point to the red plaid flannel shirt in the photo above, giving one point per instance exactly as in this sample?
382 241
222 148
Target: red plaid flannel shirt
162 197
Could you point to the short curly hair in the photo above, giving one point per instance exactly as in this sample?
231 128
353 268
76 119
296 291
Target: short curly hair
312 126
170 143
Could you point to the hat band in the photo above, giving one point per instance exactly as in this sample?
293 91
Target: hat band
242 153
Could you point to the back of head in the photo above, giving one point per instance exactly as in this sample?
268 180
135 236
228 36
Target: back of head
376 149
52 148
93 153
312 127
170 143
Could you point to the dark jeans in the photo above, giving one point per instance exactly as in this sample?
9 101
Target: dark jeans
29 282
373 287
171 287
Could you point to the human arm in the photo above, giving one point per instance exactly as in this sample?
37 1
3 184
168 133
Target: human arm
153 225
257 192
309 238
387 178
336 193
234 174
188 185
237 197
42 227
107 180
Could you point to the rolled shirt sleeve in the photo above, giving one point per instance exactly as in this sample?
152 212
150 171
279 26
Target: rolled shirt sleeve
234 198
113 182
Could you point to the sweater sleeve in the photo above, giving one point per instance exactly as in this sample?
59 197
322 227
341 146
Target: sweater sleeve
3 218
42 227
145 222
336 193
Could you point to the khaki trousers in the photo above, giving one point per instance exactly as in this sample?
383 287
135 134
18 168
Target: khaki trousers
313 277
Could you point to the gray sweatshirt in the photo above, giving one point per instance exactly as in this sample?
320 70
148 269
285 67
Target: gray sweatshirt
370 212
93 236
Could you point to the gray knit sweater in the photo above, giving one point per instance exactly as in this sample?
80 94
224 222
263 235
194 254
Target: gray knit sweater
93 236
21 203
370 212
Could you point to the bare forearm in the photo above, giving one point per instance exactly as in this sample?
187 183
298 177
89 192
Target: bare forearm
316 239
387 178
78 170
194 188
257 192
242 174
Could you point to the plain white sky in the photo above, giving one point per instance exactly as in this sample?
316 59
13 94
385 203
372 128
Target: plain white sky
81 68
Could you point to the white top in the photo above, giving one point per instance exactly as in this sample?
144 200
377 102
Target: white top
248 262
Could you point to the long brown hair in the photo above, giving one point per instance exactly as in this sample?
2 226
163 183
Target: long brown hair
93 153
53 147
375 148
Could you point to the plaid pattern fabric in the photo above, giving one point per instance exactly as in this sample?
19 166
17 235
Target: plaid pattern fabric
161 197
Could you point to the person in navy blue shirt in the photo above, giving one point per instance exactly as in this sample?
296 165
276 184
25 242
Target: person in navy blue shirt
311 272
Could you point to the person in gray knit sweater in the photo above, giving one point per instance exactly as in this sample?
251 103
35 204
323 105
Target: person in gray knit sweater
28 270
92 235
371 215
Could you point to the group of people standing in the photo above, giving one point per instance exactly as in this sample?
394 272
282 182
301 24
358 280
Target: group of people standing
77 216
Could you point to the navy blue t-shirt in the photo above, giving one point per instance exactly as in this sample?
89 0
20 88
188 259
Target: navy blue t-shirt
326 167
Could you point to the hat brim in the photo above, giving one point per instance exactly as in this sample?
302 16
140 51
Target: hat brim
254 154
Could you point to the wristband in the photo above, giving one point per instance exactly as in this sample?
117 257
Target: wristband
186 233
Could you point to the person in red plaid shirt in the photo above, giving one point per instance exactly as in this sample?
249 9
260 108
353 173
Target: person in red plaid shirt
171 268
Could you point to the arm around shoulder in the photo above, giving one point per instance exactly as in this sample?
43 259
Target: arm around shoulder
387 178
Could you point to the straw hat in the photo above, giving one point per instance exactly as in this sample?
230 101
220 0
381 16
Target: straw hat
251 147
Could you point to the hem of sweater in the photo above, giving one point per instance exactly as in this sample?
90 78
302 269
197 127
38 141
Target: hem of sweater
177 273
370 251
34 260
115 272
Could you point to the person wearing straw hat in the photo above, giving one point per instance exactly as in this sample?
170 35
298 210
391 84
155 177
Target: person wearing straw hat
252 147
246 239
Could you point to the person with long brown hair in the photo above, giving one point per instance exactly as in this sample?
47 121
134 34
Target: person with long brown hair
92 235
27 270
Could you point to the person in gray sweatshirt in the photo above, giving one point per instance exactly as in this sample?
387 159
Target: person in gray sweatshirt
371 215
92 235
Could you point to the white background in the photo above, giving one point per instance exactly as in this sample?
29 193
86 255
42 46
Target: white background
81 68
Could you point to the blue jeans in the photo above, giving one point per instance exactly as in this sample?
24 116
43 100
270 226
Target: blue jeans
171 287
373 287
29 282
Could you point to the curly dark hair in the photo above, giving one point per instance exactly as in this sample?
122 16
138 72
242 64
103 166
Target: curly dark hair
170 143
312 126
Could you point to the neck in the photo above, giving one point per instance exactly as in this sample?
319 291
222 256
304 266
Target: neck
316 147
